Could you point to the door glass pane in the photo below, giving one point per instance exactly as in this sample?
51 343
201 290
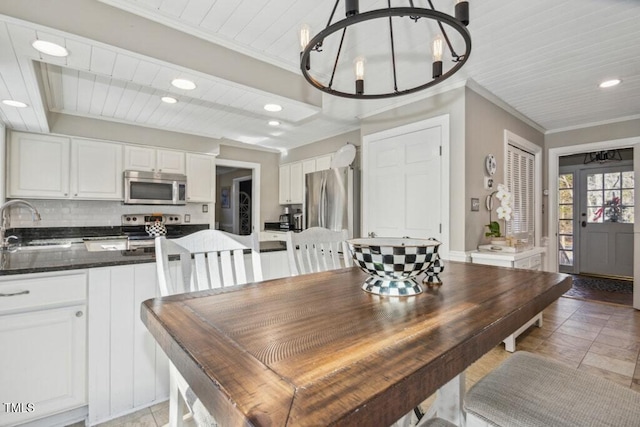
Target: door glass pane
566 212
627 179
627 215
627 197
595 214
566 196
565 258
594 198
565 219
566 242
565 181
565 227
611 180
594 181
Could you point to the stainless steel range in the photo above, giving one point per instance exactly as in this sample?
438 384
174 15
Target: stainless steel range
142 229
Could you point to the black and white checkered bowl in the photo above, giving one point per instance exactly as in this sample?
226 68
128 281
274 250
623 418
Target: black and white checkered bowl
393 263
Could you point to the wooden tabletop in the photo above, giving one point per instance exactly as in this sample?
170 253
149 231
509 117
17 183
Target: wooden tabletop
317 350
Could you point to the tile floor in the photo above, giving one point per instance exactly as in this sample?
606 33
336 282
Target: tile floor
600 338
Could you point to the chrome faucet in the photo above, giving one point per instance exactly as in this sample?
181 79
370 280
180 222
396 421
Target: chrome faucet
4 214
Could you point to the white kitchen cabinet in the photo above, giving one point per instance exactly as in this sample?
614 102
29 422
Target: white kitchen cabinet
201 175
291 183
43 359
96 170
38 166
530 260
323 163
153 160
127 369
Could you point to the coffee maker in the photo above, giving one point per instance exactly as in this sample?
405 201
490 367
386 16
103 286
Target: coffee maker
286 219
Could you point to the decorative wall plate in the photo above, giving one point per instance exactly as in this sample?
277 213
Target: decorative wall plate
490 164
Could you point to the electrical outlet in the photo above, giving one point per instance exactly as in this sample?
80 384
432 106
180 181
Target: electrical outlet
205 208
488 183
187 217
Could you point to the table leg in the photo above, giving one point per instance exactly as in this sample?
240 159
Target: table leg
449 399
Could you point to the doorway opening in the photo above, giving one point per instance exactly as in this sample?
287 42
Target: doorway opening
596 214
238 196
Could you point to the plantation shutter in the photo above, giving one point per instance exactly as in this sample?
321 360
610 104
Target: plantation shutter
520 181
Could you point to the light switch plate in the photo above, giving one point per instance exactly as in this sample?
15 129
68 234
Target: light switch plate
187 217
205 208
475 204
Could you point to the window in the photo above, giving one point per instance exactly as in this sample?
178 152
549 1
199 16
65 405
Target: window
565 219
521 183
610 197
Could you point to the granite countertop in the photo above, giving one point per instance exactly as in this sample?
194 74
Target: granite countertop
76 256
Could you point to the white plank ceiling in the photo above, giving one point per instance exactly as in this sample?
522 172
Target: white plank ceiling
542 58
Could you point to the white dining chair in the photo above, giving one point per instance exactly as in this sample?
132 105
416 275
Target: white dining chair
207 259
317 249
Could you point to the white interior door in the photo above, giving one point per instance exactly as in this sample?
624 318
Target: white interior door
403 188
606 221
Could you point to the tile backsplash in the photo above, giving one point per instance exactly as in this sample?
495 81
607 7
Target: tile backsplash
94 213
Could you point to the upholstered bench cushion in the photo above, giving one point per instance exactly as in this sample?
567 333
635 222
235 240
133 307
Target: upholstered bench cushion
437 422
530 390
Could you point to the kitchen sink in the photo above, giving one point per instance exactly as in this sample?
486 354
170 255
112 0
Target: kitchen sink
45 247
99 244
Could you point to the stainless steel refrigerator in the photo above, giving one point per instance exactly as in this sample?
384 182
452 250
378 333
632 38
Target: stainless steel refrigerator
332 200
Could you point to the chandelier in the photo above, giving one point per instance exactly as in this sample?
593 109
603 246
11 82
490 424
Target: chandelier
396 41
602 156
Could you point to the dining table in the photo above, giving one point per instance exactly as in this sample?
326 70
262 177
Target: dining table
317 350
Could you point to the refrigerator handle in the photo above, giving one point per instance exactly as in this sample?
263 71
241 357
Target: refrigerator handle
323 202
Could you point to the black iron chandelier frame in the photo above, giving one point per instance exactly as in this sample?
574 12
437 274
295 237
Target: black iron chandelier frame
413 13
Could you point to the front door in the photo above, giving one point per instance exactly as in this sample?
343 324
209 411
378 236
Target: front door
606 221
403 185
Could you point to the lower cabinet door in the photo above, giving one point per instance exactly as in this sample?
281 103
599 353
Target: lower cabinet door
46 366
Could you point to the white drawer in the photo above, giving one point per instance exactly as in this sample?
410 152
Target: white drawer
521 263
267 236
18 293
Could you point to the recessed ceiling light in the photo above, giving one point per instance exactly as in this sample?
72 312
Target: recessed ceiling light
12 103
273 107
49 48
610 83
169 99
183 84
274 123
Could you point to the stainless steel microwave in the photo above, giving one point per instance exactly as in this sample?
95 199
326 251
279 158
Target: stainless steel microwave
151 188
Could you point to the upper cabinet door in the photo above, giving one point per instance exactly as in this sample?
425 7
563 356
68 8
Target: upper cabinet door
96 170
139 158
201 175
170 161
38 166
152 160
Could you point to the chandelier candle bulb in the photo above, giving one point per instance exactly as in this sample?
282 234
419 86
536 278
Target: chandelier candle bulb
437 48
359 71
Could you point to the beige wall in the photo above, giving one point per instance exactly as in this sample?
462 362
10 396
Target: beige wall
485 125
606 132
322 147
451 103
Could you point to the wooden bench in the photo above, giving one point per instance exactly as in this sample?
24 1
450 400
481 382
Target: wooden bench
531 390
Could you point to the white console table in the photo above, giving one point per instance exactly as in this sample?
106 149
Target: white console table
530 260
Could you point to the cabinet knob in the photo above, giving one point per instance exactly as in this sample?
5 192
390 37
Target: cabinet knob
79 313
66 194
